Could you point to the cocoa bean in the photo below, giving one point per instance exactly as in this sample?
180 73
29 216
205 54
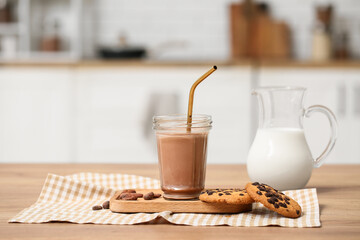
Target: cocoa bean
125 195
128 191
149 196
139 195
157 195
96 207
106 205
130 197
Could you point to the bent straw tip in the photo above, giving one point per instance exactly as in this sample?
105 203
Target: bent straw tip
215 67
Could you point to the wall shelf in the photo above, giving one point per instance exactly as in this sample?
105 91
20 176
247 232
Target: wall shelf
23 36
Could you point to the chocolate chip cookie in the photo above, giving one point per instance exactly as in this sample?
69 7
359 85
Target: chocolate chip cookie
274 199
230 196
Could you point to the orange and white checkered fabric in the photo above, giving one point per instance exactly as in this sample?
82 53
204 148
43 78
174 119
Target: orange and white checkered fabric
70 199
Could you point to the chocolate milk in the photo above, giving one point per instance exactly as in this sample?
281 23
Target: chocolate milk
182 161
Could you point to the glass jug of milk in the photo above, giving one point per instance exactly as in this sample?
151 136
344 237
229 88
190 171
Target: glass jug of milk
280 155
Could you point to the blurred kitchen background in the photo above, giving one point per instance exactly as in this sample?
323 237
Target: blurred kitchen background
81 79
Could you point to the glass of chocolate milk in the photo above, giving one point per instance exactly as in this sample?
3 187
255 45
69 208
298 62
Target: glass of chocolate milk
182 151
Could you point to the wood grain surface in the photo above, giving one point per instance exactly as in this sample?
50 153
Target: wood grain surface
338 189
176 206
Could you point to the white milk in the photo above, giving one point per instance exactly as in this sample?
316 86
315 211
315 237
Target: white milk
280 157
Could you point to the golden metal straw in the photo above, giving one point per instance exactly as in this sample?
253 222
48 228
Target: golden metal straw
191 96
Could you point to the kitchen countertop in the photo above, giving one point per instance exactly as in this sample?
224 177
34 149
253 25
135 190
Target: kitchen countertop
338 188
152 63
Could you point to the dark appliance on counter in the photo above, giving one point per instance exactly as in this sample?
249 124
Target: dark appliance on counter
122 52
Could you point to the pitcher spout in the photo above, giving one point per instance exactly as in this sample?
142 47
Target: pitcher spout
280 106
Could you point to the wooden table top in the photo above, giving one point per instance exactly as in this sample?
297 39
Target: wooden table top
338 188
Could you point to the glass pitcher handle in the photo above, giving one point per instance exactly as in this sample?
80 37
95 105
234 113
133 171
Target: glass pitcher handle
333 126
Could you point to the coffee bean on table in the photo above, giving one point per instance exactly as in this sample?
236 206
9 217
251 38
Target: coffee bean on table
96 207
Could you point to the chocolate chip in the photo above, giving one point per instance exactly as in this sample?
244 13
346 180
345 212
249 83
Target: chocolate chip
297 212
259 193
274 199
220 194
283 205
287 202
269 194
96 207
255 184
241 194
276 205
227 193
106 205
270 200
279 197
287 199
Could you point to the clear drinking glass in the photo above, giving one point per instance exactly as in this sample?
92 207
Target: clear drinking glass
182 151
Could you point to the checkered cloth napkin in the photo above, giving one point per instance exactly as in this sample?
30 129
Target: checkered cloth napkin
70 199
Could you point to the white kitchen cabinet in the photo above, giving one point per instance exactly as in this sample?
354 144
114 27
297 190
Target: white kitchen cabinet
115 108
336 88
36 115
104 113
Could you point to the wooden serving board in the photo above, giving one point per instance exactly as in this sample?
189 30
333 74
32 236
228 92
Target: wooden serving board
176 206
